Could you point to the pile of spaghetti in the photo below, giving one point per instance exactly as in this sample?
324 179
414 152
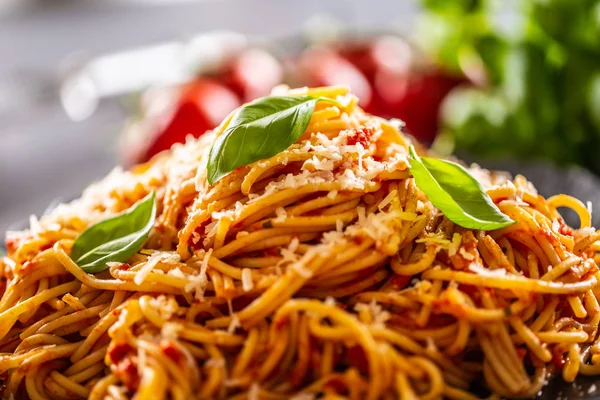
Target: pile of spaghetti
321 271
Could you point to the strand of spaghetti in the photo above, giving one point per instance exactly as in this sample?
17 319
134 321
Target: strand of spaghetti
417 267
34 382
259 169
342 207
563 200
425 312
494 356
396 338
586 242
242 242
82 364
531 340
362 335
321 221
352 287
13 292
215 374
72 318
99 329
562 337
70 385
41 339
106 284
282 290
153 382
277 350
322 202
9 317
175 372
279 241
511 282
31 329
462 337
244 357
572 363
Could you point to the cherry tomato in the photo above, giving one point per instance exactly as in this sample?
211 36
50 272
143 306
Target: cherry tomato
202 105
416 99
252 74
321 66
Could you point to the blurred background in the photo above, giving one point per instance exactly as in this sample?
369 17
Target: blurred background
87 85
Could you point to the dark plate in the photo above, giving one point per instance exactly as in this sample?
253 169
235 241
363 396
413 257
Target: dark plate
550 180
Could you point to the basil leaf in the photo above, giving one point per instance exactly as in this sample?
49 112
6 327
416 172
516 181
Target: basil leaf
259 130
115 239
451 188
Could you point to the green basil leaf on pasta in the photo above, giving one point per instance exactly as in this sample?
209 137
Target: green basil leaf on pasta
115 239
259 130
456 193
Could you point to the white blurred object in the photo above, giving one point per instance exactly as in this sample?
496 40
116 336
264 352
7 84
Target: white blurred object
323 28
131 71
210 52
79 96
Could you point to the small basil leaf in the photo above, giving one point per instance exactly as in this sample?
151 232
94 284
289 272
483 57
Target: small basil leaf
451 189
115 239
259 130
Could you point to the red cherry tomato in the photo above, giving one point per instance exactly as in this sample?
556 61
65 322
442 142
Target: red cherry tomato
202 105
415 99
252 74
320 66
387 53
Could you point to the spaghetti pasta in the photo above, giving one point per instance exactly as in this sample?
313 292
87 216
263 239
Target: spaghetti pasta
321 271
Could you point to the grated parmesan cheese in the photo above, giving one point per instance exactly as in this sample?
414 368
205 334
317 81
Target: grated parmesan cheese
300 265
73 301
302 270
303 396
387 199
377 313
195 237
170 330
34 225
555 225
198 283
176 272
234 324
141 361
378 226
339 226
587 231
215 363
247 283
254 392
455 244
235 321
281 214
316 164
362 217
465 254
152 261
